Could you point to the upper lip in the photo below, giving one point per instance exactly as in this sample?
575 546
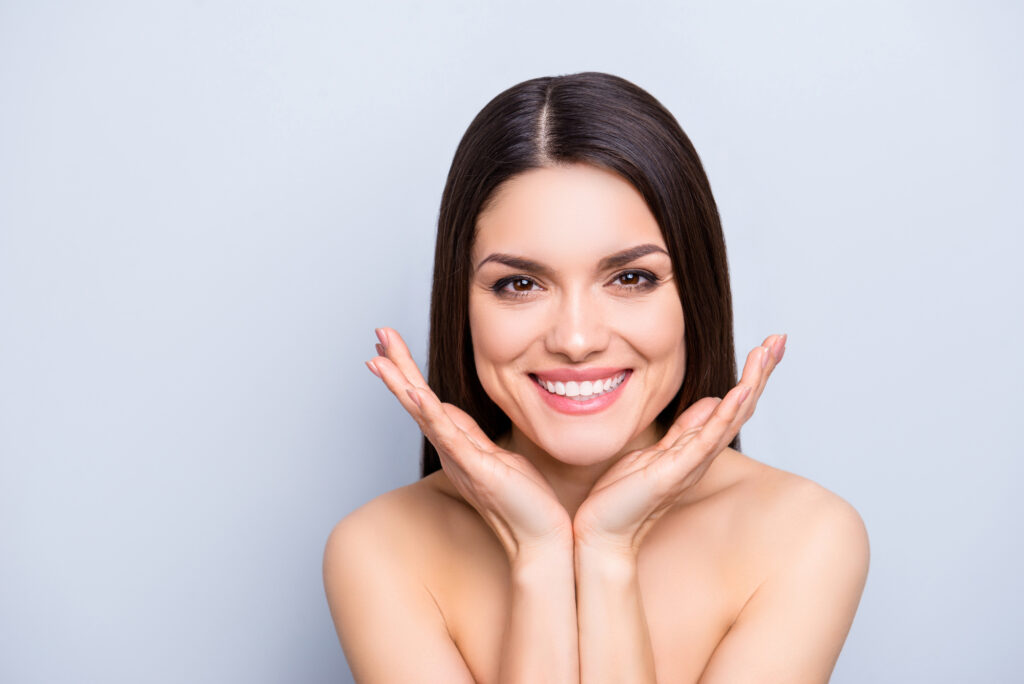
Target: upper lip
578 374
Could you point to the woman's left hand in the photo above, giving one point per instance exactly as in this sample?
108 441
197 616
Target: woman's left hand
626 501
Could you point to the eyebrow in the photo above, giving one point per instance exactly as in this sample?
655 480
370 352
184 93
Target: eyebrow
609 262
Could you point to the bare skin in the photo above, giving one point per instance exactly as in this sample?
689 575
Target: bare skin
698 568
696 572
590 546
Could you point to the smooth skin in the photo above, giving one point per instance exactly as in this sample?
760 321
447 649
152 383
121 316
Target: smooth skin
573 547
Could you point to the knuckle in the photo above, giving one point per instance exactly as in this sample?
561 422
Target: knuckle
707 439
445 441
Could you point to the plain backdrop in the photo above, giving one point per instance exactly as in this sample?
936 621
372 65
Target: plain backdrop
206 207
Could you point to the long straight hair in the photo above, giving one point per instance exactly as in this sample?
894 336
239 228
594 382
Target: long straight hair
597 119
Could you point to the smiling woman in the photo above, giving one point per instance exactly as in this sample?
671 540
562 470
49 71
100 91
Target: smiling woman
588 295
584 513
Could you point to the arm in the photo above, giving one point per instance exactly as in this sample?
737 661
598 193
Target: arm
794 625
515 500
622 506
541 638
615 642
389 626
381 607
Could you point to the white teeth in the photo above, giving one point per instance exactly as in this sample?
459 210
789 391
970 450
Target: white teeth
582 390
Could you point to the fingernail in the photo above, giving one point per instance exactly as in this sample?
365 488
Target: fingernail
380 349
764 357
412 395
382 336
782 348
373 368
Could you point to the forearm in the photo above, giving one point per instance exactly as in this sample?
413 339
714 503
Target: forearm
614 640
541 641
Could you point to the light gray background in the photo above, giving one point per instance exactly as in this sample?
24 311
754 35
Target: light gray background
206 208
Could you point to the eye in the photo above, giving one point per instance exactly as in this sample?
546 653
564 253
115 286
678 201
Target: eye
636 280
514 286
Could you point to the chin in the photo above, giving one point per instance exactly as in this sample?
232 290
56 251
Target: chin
591 448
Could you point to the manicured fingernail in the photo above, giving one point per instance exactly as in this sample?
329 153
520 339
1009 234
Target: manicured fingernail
743 396
380 349
373 368
382 336
413 396
782 348
764 357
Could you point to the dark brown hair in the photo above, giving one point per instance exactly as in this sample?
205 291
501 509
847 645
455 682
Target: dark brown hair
598 119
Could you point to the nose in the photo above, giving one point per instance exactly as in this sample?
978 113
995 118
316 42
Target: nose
578 329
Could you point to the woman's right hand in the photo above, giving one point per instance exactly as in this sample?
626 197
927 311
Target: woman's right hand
511 495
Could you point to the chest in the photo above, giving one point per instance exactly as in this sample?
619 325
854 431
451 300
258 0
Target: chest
691 582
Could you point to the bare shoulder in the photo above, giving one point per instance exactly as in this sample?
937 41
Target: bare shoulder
403 526
805 552
790 511
375 568
397 515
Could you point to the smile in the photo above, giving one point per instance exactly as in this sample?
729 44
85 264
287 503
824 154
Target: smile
577 397
582 391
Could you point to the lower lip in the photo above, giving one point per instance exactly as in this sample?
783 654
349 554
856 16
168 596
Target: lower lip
564 404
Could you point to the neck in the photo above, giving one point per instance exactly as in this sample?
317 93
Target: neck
572 483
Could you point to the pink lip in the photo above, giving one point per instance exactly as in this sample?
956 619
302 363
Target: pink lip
573 407
578 374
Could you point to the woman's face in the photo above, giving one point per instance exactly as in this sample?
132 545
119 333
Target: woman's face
572 287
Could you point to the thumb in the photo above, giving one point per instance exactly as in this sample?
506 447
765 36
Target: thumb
465 422
693 417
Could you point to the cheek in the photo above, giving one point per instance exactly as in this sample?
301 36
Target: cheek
657 328
499 336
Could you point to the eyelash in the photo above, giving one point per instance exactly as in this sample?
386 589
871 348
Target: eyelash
499 287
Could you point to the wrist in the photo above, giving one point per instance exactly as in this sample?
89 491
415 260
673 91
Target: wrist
613 562
601 547
542 563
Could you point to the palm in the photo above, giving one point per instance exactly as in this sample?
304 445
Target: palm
625 502
505 488
494 477
640 486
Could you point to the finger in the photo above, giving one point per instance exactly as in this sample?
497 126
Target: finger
429 413
396 350
760 372
776 346
758 361
690 419
722 425
440 429
465 422
396 382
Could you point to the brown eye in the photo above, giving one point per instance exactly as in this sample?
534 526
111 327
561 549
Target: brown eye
636 281
629 278
515 286
522 284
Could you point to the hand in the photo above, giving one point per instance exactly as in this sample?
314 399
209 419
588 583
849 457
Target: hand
626 501
511 495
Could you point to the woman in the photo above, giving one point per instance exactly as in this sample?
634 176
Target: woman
584 514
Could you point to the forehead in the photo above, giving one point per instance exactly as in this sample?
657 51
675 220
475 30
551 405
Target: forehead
565 212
